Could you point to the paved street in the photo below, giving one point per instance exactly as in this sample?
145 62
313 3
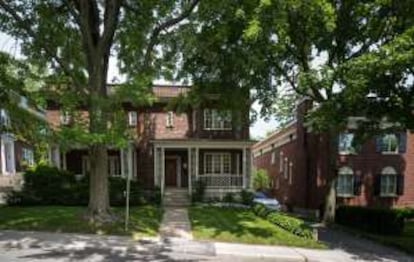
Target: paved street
38 246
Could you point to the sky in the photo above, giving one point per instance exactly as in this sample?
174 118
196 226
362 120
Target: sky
258 129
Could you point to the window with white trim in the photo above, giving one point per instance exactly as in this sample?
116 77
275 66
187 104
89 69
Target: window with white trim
217 120
286 168
65 118
132 118
345 183
281 162
389 143
4 118
273 158
388 181
217 163
114 166
28 156
345 145
169 120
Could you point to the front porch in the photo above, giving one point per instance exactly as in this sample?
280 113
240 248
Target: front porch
223 166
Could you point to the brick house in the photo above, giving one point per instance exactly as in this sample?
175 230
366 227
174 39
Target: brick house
172 149
15 153
378 173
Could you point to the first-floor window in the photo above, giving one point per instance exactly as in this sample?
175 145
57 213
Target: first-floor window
345 184
86 166
114 167
28 156
217 163
388 181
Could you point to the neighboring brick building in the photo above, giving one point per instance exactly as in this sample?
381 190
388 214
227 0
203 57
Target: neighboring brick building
379 173
171 149
15 153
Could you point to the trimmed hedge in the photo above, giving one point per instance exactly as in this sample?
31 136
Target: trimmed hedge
292 224
375 220
46 185
406 213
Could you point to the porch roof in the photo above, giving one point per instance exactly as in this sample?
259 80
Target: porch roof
202 143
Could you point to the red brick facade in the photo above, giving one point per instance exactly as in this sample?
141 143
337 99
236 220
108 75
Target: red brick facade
304 185
152 126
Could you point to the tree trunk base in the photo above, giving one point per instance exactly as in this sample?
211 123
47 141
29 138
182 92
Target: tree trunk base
100 216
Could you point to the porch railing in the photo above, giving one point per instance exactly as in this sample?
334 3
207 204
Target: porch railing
222 180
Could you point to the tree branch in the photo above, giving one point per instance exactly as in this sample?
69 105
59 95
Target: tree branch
111 18
25 25
164 26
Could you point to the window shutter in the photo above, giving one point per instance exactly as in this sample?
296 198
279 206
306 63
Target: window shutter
378 144
400 185
357 185
377 185
402 138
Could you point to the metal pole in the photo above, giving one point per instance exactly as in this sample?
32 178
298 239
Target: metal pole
128 186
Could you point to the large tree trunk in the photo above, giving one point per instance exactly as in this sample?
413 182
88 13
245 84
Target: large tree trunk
330 199
99 209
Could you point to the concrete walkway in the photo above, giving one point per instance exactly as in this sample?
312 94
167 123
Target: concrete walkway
175 223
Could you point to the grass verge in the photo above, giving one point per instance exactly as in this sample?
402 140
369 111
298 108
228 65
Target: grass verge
241 226
144 220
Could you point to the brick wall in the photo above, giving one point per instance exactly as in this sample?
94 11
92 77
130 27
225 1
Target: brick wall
309 153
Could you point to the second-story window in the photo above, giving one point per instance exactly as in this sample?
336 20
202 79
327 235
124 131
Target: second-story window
346 143
28 156
389 143
170 119
132 118
217 120
65 118
4 118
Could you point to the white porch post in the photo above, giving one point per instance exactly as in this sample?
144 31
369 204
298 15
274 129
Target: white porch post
189 171
129 161
156 180
162 170
7 155
64 165
197 164
244 169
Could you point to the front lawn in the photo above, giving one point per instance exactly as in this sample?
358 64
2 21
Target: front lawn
144 220
241 226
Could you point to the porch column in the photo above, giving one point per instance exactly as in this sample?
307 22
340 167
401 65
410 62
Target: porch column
196 163
64 165
8 159
189 171
157 157
244 169
129 161
162 180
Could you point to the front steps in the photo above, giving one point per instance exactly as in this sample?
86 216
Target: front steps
176 197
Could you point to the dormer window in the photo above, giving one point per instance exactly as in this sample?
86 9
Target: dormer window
217 120
65 118
132 118
169 119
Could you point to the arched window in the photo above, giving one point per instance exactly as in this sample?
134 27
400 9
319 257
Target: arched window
345 184
388 181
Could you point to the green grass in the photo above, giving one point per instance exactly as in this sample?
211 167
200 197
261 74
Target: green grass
241 226
144 220
404 242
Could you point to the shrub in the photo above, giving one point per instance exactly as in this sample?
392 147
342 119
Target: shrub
292 224
261 180
406 213
246 197
199 191
374 220
46 185
261 210
229 198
